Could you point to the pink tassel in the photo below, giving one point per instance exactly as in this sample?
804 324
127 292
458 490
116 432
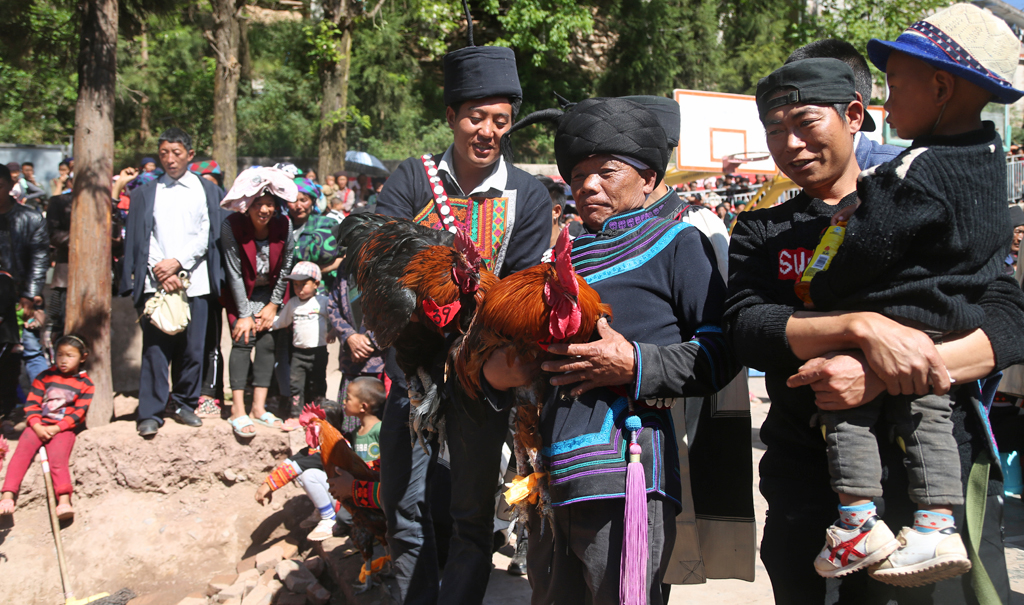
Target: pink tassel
633 570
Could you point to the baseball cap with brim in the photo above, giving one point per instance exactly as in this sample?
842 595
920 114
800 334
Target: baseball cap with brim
811 81
304 270
254 182
967 41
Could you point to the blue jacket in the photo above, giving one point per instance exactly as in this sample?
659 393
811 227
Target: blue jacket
871 153
139 230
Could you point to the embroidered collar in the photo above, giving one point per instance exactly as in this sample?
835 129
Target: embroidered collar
629 219
497 181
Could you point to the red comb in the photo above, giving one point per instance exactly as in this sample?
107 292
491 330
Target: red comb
565 316
311 411
465 245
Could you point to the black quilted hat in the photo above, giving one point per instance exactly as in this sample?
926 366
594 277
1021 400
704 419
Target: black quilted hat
478 72
610 127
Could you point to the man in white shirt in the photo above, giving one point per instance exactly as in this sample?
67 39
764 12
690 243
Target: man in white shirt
172 230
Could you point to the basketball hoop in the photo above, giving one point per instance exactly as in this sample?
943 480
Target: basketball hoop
733 161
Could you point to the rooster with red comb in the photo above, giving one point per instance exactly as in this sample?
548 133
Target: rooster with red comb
525 313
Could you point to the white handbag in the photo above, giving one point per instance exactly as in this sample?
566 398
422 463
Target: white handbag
169 311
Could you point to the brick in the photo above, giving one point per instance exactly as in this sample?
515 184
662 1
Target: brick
318 595
275 586
233 601
268 559
250 578
246 563
295 576
315 565
219 583
260 595
191 600
267 577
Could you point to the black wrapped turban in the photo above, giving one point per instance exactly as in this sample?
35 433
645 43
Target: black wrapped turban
610 127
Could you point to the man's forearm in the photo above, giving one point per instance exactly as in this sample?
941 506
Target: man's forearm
812 334
968 357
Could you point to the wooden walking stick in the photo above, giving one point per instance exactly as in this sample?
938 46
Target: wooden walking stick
51 503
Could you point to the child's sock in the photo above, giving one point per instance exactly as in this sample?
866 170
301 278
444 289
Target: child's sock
851 517
327 512
927 521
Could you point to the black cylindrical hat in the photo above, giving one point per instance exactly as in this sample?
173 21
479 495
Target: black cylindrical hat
478 72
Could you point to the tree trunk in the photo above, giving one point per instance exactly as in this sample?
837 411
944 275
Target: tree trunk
144 132
88 306
225 41
334 105
244 56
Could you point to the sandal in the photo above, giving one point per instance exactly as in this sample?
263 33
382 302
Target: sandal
208 407
6 506
291 424
270 421
65 512
237 424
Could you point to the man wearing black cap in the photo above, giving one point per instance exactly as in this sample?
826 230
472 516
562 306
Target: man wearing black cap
1017 223
811 113
505 210
869 153
614 393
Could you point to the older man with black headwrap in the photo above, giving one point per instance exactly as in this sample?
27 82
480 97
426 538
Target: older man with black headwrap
667 296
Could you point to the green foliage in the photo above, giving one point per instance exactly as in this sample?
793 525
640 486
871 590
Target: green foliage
546 27
38 77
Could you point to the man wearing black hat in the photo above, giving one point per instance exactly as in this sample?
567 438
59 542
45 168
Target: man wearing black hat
505 210
613 394
811 114
869 153
1017 223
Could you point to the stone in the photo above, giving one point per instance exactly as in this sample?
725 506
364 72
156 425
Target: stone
191 600
246 563
290 598
219 583
314 565
275 586
235 591
249 576
318 595
267 576
268 559
229 475
295 576
260 595
241 478
288 548
233 601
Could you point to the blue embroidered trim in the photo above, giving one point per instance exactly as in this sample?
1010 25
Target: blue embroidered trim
639 369
638 261
601 437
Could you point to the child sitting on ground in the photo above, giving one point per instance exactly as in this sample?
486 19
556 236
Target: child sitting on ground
928 237
307 468
306 312
55 412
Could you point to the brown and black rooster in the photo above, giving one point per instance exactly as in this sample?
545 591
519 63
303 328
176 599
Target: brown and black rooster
417 285
335 451
527 311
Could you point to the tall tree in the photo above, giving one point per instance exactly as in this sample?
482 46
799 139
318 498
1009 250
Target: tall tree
89 288
225 40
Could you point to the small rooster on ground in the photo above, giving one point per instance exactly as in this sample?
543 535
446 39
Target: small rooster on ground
418 285
527 311
335 451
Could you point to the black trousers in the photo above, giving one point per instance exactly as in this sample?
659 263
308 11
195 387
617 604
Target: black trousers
10 372
213 358
307 365
56 309
801 508
183 352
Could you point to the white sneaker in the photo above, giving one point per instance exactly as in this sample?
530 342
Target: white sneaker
849 550
311 521
322 531
924 558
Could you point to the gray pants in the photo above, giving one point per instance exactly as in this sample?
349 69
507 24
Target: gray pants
576 559
933 460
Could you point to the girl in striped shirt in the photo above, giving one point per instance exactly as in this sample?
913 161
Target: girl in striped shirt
55 412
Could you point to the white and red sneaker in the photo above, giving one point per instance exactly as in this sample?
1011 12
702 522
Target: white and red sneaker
849 550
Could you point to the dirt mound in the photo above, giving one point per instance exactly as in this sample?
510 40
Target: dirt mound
159 516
